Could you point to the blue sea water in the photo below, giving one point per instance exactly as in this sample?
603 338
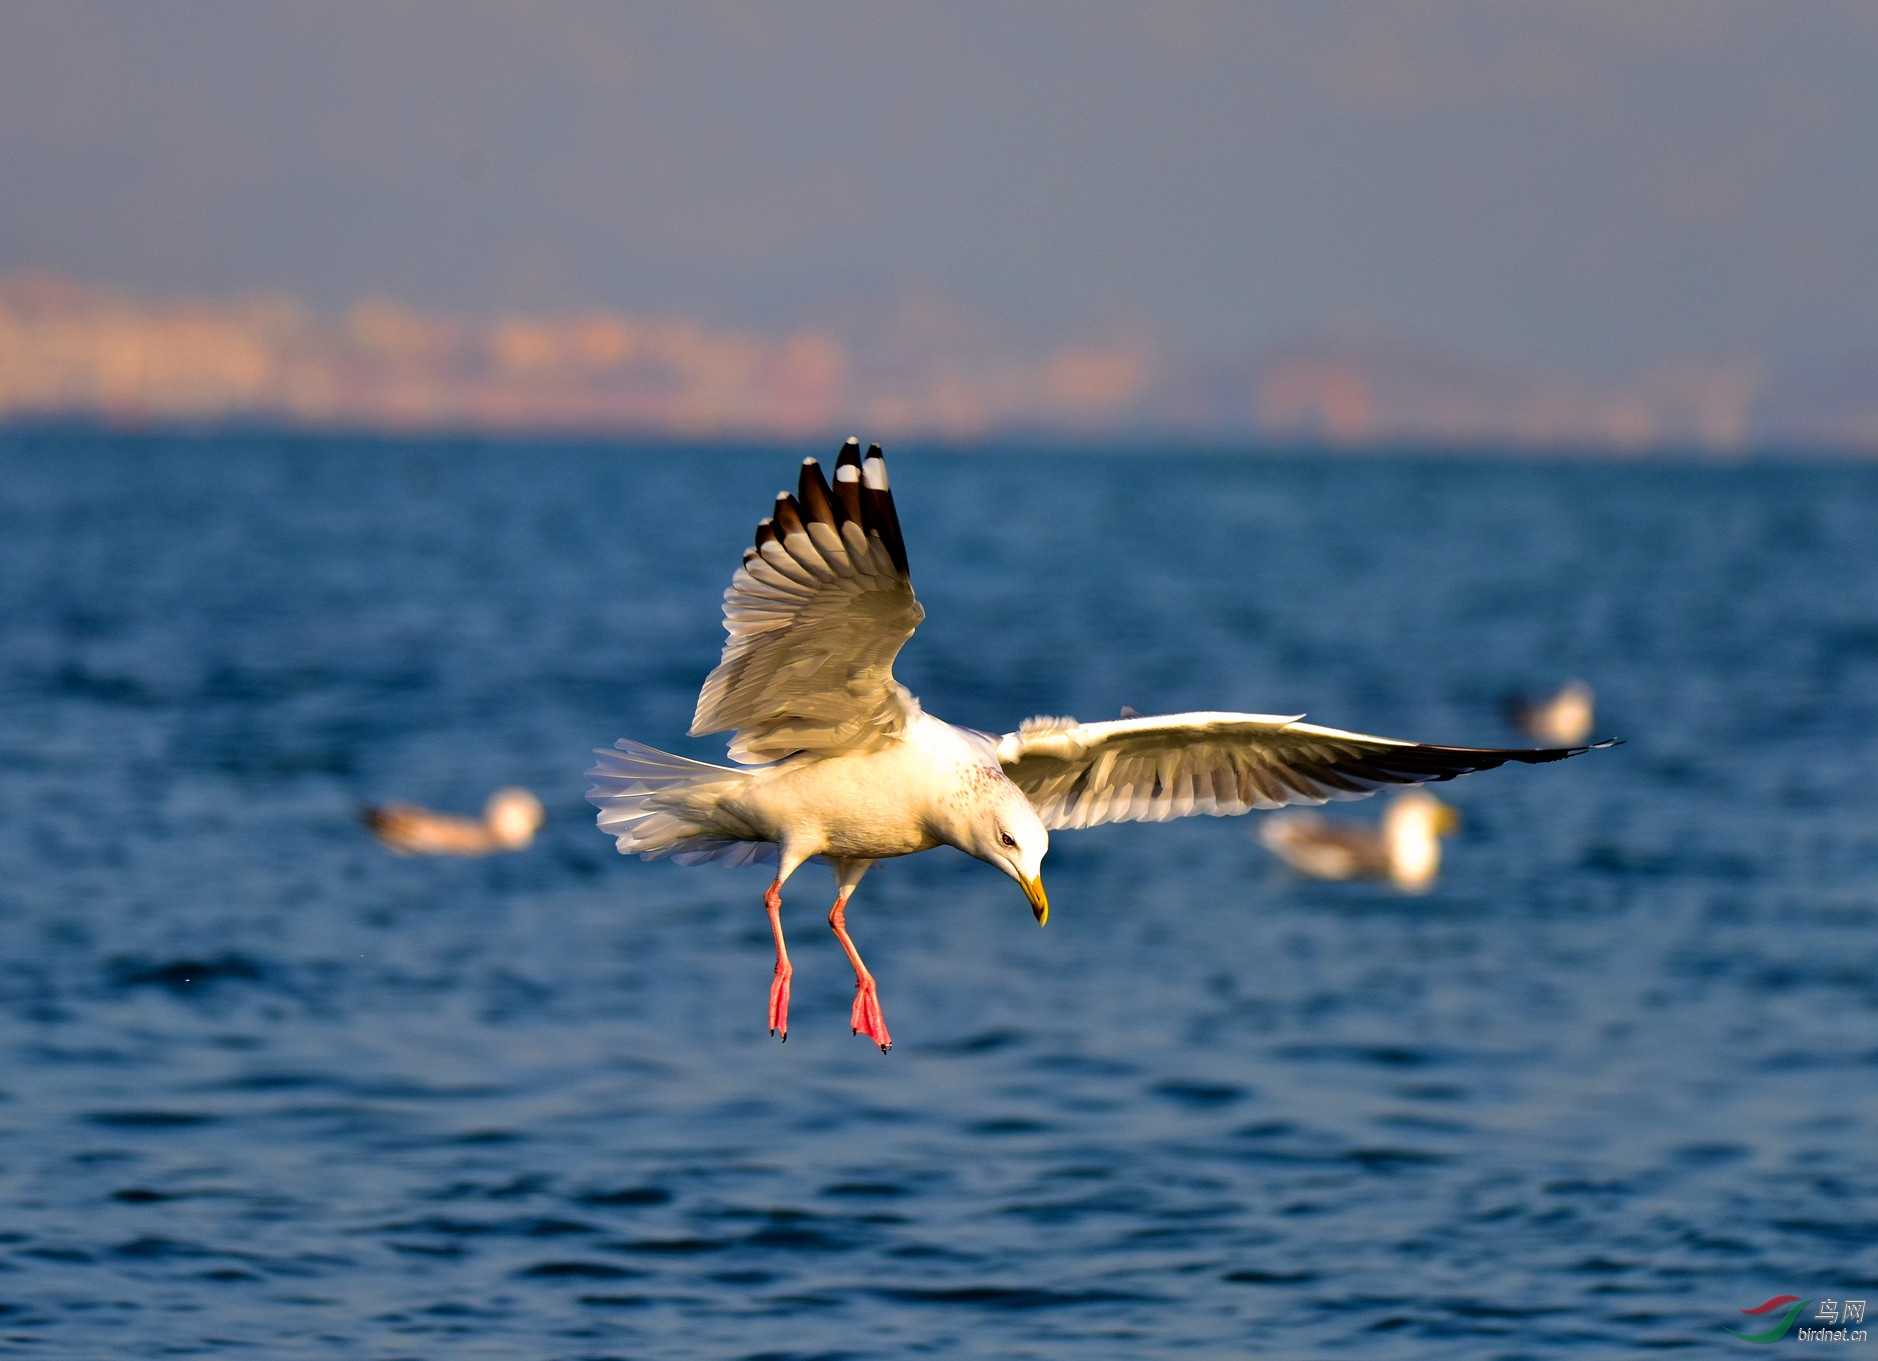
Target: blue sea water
268 1091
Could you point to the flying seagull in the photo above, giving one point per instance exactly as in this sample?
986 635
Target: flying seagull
841 762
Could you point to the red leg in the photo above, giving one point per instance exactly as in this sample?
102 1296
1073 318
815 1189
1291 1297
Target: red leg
865 1018
779 986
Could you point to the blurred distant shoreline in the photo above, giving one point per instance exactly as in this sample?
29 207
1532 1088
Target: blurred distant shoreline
74 355
31 431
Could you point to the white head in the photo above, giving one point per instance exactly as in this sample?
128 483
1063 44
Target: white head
1002 829
513 816
1567 717
1412 826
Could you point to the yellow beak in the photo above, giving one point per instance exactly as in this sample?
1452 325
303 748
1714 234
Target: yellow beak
1039 901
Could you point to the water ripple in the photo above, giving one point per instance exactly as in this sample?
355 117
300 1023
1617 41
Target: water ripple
272 1091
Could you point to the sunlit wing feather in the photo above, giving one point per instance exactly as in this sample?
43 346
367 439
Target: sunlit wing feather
1219 764
816 614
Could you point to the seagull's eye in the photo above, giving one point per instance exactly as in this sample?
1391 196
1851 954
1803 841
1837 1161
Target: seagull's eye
1005 837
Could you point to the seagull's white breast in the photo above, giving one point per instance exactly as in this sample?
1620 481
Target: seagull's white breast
894 798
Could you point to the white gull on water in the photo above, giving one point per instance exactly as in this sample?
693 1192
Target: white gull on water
839 760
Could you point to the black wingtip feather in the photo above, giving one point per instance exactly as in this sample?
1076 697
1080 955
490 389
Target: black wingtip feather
849 499
815 498
1427 764
848 483
788 514
881 516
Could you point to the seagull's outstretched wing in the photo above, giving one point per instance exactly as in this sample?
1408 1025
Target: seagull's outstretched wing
816 615
1177 765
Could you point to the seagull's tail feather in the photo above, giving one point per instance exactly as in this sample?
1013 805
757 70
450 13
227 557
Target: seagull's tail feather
654 804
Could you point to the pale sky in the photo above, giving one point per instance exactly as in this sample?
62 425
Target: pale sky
1591 185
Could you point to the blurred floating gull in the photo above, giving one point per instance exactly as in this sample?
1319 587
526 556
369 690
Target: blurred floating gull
842 763
1405 850
1564 719
509 822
